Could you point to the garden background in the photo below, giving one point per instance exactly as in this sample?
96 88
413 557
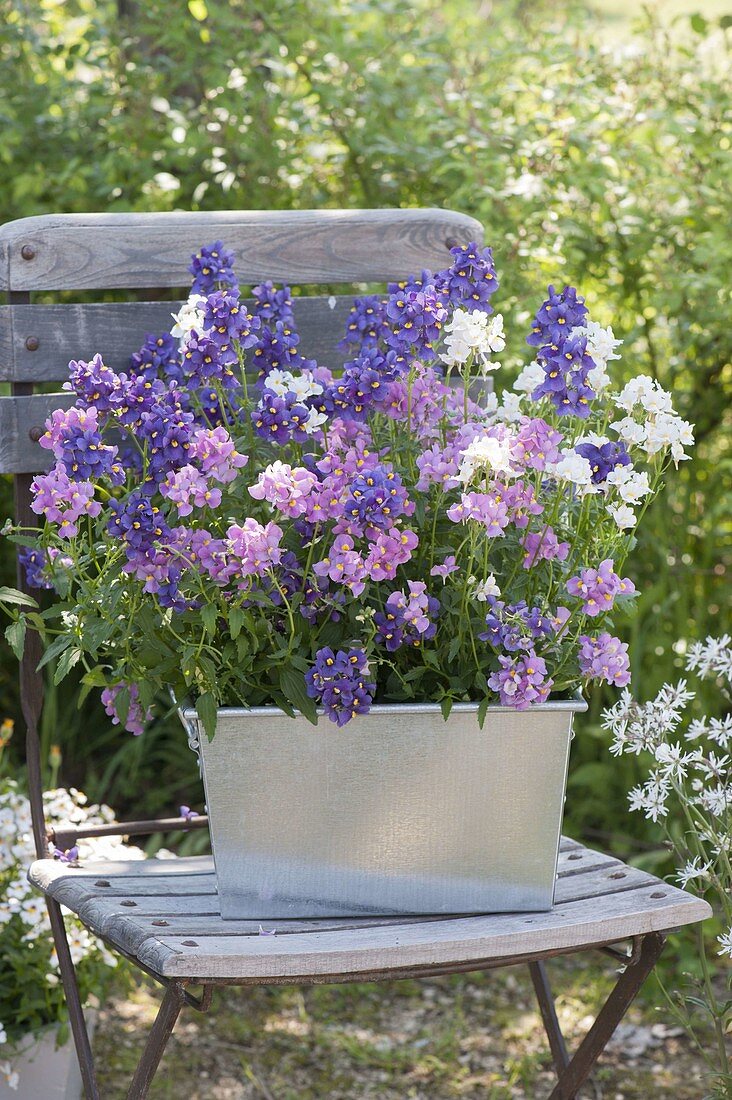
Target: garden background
595 153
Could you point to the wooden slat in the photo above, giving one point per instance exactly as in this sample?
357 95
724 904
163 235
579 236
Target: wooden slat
22 422
62 332
598 900
99 251
574 925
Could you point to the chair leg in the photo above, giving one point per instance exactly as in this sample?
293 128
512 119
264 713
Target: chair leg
545 998
582 1063
161 1031
73 1000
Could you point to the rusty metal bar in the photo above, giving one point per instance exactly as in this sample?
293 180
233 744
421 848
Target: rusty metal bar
545 998
632 978
157 1041
65 838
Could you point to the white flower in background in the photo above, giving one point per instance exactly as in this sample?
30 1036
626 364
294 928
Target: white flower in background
481 590
632 485
623 515
725 942
693 869
302 385
669 430
485 453
189 318
601 342
598 379
646 392
575 469
314 421
630 431
651 798
709 656
530 377
473 334
673 760
509 411
11 1077
526 186
3 1035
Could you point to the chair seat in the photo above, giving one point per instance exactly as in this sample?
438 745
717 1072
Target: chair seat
165 915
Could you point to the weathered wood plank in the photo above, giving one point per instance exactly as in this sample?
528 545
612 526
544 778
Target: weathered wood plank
576 924
37 342
96 251
22 422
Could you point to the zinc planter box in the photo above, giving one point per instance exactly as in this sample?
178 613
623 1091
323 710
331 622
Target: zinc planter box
46 1071
399 812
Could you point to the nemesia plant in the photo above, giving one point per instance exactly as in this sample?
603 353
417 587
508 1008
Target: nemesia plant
230 520
31 994
689 794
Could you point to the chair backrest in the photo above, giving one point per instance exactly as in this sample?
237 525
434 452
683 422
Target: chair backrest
139 252
147 255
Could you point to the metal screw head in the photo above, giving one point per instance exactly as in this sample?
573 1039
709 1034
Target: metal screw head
102 882
31 343
27 251
160 923
36 433
131 904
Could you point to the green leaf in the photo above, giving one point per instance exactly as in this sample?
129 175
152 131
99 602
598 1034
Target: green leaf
63 642
15 635
69 658
292 683
699 23
483 709
725 22
209 615
13 595
198 10
237 617
206 708
446 707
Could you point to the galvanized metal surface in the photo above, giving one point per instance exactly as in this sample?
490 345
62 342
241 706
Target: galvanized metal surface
399 812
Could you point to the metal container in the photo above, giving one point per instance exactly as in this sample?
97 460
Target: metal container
399 812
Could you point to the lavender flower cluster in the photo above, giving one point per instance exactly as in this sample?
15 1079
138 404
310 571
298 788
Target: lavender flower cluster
303 536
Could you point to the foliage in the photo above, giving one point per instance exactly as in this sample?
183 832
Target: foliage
689 794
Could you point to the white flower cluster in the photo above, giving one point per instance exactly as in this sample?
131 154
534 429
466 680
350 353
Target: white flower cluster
19 899
696 775
485 454
601 345
659 428
303 386
473 334
575 469
188 319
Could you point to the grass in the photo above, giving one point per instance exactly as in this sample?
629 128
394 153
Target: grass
469 1037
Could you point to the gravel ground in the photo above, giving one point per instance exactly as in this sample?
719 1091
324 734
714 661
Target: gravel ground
468 1037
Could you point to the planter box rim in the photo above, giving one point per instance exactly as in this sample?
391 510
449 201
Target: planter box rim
574 705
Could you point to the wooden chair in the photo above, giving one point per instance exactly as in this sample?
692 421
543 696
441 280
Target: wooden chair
163 915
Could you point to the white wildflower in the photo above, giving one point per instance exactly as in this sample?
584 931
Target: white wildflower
303 385
669 430
509 411
709 656
635 392
314 421
575 469
601 342
725 942
630 431
189 318
651 798
11 1077
693 869
673 760
481 590
3 1035
632 485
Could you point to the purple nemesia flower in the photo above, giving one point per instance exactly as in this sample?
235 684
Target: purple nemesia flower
95 384
438 466
407 618
273 303
286 488
210 266
226 319
543 546
449 565
34 562
471 279
363 386
338 681
167 428
389 550
375 499
417 318
281 418
137 520
603 458
536 443
276 348
521 501
63 501
598 588
256 548
187 813
205 361
344 565
158 357
67 855
521 681
559 314
136 719
188 488
215 450
367 323
488 509
73 437
604 658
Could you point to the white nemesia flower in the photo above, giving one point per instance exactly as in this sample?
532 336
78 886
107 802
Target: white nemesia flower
630 431
3 1035
725 941
647 393
692 869
189 318
669 430
601 342
473 333
11 1077
632 485
509 411
481 590
575 469
485 453
303 385
623 515
530 377
314 421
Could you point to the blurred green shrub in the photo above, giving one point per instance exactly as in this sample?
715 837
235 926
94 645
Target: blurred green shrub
606 167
